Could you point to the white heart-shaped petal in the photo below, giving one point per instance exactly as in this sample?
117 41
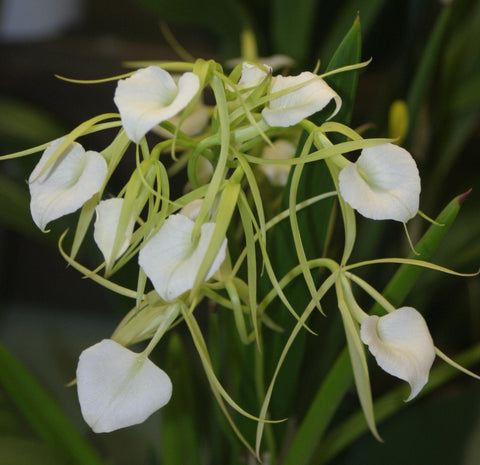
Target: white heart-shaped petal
290 108
281 149
151 96
402 345
383 184
119 388
172 261
66 184
106 225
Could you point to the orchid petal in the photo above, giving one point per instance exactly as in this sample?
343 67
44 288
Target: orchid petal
402 345
151 96
290 108
171 260
119 388
252 75
106 225
383 184
66 184
280 149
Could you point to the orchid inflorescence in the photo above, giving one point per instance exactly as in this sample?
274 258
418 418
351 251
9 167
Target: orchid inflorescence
233 151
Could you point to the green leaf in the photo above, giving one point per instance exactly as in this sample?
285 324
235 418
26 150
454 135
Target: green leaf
42 413
179 438
389 404
406 276
425 73
367 10
349 52
26 451
292 23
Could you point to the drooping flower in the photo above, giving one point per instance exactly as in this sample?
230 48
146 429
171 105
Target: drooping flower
151 96
171 259
106 225
66 184
402 345
119 388
291 107
383 184
281 149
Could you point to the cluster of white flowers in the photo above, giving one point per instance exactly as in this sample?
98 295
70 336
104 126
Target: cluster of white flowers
117 387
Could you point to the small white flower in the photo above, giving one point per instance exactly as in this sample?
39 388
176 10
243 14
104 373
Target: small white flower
171 260
119 388
282 149
383 184
252 75
290 108
402 345
151 96
106 225
66 184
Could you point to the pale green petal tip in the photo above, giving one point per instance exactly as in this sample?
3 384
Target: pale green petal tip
118 388
402 345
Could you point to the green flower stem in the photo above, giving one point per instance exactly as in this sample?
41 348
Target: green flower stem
339 379
42 413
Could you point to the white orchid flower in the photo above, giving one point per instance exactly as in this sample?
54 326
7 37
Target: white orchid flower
119 388
151 96
281 149
252 75
291 107
106 225
402 345
171 260
383 184
66 184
